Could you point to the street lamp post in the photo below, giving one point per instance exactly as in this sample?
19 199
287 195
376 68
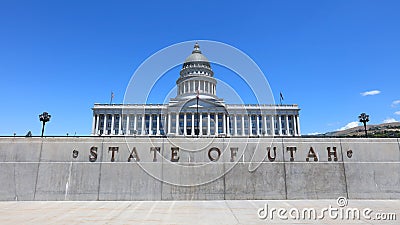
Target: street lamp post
364 118
44 117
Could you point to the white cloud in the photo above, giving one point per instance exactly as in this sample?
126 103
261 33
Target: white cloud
397 113
349 125
390 120
314 133
395 103
374 92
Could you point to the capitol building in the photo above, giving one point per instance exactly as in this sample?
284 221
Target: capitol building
196 111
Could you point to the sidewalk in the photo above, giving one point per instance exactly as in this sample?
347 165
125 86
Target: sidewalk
185 212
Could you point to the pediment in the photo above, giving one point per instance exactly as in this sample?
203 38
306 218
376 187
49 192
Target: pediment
203 104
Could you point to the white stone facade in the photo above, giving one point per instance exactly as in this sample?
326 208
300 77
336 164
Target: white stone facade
196 111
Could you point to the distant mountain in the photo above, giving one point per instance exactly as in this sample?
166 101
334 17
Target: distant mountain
380 130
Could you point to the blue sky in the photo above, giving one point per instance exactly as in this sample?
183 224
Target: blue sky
64 56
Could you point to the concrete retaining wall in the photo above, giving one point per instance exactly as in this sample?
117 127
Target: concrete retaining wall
216 169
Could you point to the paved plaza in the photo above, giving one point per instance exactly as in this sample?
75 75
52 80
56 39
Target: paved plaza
190 212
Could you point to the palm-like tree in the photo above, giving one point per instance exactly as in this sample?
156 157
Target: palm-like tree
364 118
44 117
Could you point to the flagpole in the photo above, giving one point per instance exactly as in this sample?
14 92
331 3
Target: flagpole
111 98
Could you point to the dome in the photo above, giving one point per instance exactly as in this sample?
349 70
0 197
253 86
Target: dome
196 55
196 76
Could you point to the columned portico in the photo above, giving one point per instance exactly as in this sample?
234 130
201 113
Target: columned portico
227 124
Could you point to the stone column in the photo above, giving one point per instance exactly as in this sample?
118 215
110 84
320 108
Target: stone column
184 124
158 124
105 124
216 124
235 125
228 128
169 123
208 124
150 124
258 125
143 124
298 125
193 124
223 124
287 125
243 133
250 126
165 125
273 125
127 132
294 125
200 123
280 124
120 125
97 124
135 124
112 124
177 123
264 119
94 124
